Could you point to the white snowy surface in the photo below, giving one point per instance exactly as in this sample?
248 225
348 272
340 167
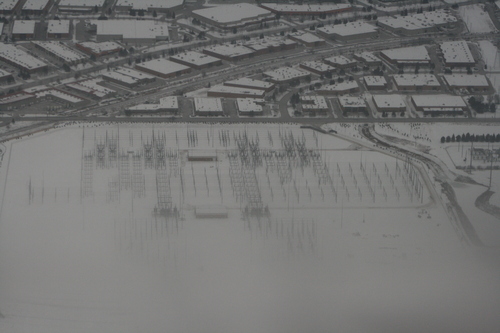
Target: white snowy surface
476 19
490 55
104 263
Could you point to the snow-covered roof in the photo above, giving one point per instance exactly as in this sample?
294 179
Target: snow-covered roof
132 29
374 81
4 73
251 93
463 80
249 105
91 86
306 37
23 27
317 66
348 101
457 52
60 50
250 83
169 102
208 104
227 14
389 101
339 86
313 102
19 57
101 47
162 66
408 54
340 60
58 26
284 7
268 43
195 58
35 4
367 56
145 4
134 74
438 101
120 77
80 3
418 21
229 50
348 29
423 80
8 4
285 74
16 97
59 94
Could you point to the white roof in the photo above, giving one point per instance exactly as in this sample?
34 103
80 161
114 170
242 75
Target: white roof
427 80
306 37
251 93
145 4
90 86
169 102
195 58
375 81
80 3
23 27
413 53
348 29
340 60
285 73
457 52
101 47
11 98
227 14
229 50
367 56
418 21
313 102
132 29
249 104
35 4
282 7
60 50
60 94
347 101
317 65
133 73
269 42
58 26
250 83
463 80
343 86
8 4
162 66
120 77
208 104
4 73
389 101
20 57
438 101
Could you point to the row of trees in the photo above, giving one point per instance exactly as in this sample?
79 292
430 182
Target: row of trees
471 138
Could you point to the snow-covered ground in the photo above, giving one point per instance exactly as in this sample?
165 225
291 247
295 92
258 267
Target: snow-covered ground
490 55
81 248
476 19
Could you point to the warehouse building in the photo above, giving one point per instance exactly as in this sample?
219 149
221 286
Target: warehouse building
36 7
473 83
160 6
435 105
6 76
99 49
79 6
163 68
308 39
250 107
61 52
229 52
20 59
286 75
457 54
92 89
168 104
339 88
350 104
196 60
373 82
407 55
131 31
23 30
59 29
416 82
414 24
317 67
7 7
235 92
368 58
341 62
306 9
269 45
233 16
313 105
349 31
208 107
16 101
248 83
389 103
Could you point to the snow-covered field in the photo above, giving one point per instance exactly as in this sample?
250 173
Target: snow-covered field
84 248
476 19
490 54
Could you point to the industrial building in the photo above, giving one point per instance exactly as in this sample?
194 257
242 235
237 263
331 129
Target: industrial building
313 105
339 88
373 82
414 24
163 68
473 83
435 105
99 49
235 92
233 16
349 31
196 60
248 83
131 31
160 6
416 82
208 107
229 52
16 100
457 54
340 62
389 103
306 9
60 51
79 6
250 106
23 30
407 55
350 104
20 59
168 104
36 7
59 29
308 39
286 75
317 67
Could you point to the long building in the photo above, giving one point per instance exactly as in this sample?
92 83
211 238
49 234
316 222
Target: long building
163 68
61 52
99 49
20 59
306 9
160 6
349 31
36 7
233 16
196 60
457 54
435 105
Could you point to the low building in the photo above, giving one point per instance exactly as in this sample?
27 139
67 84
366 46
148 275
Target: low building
389 103
235 92
233 16
7 7
339 88
141 77
36 7
23 30
306 9
436 105
61 97
285 75
92 89
16 101
425 22
373 82
457 54
250 106
407 55
313 104
79 6
248 83
308 39
352 105
168 104
340 62
6 76
61 52
20 59
269 45
416 82
159 6
229 52
99 49
59 29
120 79
473 83
208 107
349 31
131 31
163 68
196 60
368 58
317 67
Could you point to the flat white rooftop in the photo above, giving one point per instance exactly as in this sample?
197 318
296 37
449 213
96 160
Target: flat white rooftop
463 80
285 74
169 103
368 57
227 14
162 66
283 7
438 101
133 73
20 57
59 94
418 21
208 104
339 87
145 4
313 102
229 50
60 50
80 3
408 54
250 93
317 66
348 29
457 52
58 26
23 27
91 86
101 47
427 80
8 4
249 105
339 60
132 29
35 4
375 81
196 58
348 101
389 101
306 37
250 83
